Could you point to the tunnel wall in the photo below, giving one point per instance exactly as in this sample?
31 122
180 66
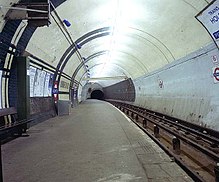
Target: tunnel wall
124 91
87 90
185 89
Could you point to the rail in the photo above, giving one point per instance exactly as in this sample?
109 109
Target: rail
195 148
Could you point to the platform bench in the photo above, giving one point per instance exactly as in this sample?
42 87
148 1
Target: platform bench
15 126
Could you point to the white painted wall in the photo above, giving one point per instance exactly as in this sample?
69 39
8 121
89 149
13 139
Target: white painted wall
160 31
188 91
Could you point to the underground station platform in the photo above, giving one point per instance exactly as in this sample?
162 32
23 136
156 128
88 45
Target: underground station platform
95 143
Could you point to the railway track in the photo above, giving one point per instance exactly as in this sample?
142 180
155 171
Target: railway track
193 147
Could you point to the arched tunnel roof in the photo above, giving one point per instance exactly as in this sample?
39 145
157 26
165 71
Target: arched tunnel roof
120 37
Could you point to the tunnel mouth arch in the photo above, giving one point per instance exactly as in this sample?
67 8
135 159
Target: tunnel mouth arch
97 94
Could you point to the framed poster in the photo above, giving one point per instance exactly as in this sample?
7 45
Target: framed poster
1 89
47 91
40 82
32 80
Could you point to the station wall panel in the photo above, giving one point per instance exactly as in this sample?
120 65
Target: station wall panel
124 91
41 108
187 88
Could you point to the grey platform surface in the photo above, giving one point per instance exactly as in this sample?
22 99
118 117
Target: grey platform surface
95 143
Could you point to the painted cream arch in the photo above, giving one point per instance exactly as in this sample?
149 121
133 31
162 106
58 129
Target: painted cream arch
143 28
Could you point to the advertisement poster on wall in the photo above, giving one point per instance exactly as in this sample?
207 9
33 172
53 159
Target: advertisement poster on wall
32 79
40 83
1 89
50 84
46 86
209 18
37 91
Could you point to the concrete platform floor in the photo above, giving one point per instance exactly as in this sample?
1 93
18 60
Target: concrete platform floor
95 143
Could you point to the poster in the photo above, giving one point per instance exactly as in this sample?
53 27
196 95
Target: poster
37 84
40 83
50 84
46 86
1 89
32 79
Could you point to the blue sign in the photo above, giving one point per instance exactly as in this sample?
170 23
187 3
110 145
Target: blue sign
209 17
216 35
216 74
55 91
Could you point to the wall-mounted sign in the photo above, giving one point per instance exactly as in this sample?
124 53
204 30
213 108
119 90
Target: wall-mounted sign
55 91
160 83
216 74
209 18
215 59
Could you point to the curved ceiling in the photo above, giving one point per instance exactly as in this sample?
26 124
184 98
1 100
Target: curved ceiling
143 35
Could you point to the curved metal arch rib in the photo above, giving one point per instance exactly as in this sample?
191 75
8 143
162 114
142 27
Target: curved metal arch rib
101 64
89 37
97 54
86 38
153 44
155 47
155 38
71 50
94 56
74 50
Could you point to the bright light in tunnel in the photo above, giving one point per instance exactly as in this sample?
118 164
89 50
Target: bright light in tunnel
124 14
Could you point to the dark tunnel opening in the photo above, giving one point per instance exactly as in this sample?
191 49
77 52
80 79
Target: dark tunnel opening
97 94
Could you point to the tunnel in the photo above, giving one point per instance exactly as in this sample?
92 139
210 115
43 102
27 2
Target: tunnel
157 56
125 53
97 94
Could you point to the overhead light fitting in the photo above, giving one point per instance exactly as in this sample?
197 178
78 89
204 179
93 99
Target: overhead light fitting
78 46
67 23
